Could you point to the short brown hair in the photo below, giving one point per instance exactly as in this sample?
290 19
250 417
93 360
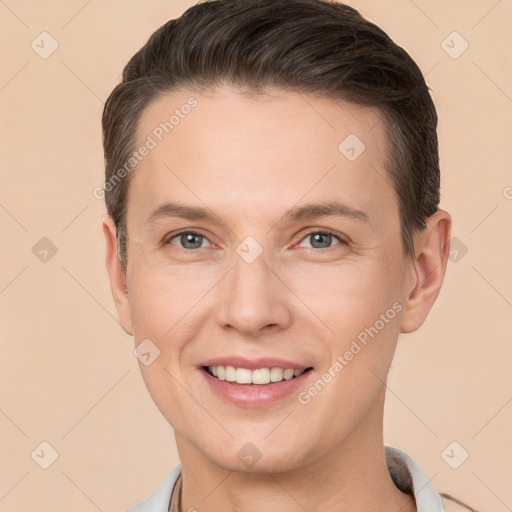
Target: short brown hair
307 46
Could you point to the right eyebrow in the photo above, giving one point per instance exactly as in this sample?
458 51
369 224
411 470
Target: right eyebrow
166 210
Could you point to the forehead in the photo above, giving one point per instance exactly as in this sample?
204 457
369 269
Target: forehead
253 151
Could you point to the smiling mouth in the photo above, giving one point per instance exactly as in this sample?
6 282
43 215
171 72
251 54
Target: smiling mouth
258 377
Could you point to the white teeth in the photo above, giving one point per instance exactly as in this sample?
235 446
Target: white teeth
288 374
276 375
230 373
258 376
243 376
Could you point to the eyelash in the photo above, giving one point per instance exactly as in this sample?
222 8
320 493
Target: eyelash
337 235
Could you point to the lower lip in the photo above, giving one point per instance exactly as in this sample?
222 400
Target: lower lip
256 395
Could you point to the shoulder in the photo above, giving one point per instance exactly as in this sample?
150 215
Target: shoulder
159 499
454 504
408 477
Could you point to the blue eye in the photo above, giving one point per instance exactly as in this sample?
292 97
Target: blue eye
322 239
189 240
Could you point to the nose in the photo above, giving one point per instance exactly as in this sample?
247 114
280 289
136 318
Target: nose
253 299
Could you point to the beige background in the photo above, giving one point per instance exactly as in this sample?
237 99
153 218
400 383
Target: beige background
68 376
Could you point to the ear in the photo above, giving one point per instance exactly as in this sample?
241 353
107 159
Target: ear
116 275
432 248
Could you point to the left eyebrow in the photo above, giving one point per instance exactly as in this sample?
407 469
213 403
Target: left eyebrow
329 208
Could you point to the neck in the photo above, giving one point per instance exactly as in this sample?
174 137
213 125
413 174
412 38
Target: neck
351 476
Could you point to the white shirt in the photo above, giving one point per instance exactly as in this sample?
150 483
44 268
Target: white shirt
398 462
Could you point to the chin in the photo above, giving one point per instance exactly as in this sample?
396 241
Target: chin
258 455
273 464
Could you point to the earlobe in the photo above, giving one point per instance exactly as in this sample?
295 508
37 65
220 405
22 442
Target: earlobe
116 275
432 248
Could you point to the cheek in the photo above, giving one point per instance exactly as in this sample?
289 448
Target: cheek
162 306
163 296
357 310
347 298
163 386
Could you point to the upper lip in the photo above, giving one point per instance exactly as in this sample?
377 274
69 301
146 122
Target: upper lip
254 364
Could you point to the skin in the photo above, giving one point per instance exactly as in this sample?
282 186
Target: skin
249 160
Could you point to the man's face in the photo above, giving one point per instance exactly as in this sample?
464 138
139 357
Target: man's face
254 286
